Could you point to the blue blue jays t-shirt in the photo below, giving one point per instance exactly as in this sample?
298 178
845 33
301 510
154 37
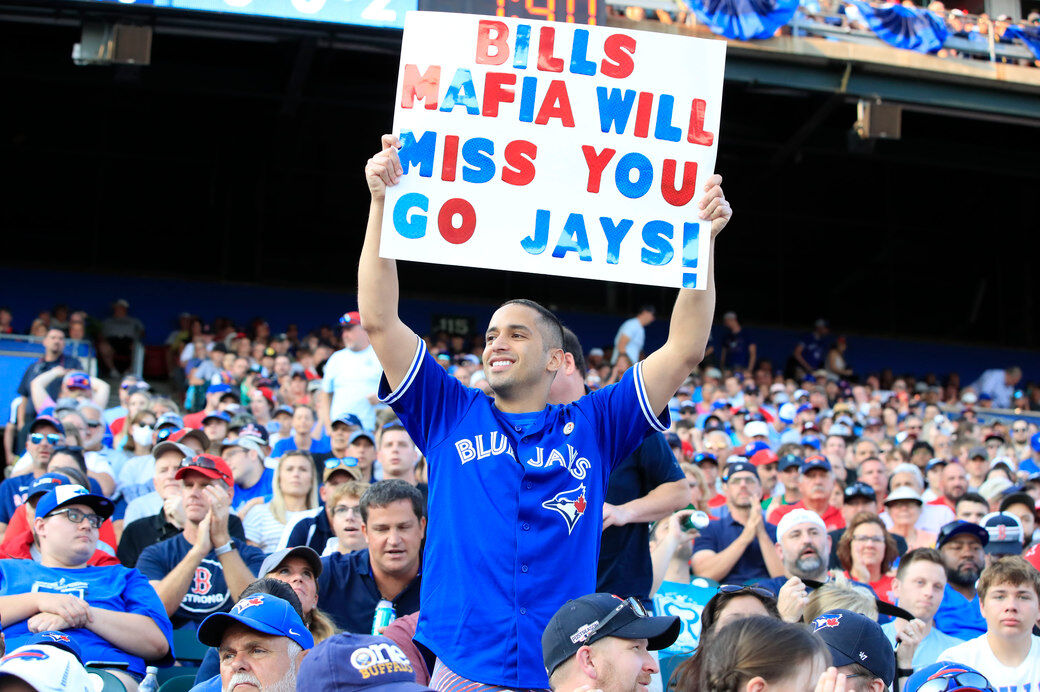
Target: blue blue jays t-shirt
115 588
289 445
515 513
263 488
208 592
959 617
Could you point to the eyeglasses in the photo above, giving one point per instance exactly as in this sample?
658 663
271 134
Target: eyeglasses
869 539
1020 430
38 438
941 682
93 423
731 589
585 633
344 461
77 517
344 510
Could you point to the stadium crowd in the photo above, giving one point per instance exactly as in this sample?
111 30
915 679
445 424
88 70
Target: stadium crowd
349 509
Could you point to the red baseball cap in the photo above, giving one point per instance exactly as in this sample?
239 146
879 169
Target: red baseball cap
350 319
209 465
1032 555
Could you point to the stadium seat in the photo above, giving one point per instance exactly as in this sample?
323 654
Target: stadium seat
186 645
111 682
164 675
181 683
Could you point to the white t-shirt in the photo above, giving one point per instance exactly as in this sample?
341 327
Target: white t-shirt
264 530
351 377
977 654
636 334
15 403
933 518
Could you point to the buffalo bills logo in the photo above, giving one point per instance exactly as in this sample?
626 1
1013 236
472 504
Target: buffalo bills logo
570 504
823 622
26 655
248 603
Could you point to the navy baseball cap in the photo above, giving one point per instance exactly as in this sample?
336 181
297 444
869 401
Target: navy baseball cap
937 461
362 433
860 490
254 430
582 621
788 461
349 661
713 423
47 420
348 419
1005 533
854 638
958 527
816 462
672 439
943 673
46 483
262 612
738 467
58 639
73 495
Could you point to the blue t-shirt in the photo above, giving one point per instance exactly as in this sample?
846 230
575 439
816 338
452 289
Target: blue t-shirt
814 349
115 588
624 554
263 488
930 647
289 445
209 592
751 566
14 489
737 348
347 591
959 617
515 513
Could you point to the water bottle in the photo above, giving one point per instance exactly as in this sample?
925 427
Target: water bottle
384 616
151 680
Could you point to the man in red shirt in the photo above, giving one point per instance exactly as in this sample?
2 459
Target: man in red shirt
816 483
953 485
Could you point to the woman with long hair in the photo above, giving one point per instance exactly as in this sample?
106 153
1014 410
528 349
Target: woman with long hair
866 552
294 495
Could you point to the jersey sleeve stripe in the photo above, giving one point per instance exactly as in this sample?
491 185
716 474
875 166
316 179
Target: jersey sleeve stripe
413 370
644 401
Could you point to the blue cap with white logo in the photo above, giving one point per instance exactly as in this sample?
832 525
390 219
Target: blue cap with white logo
73 495
58 639
351 661
262 612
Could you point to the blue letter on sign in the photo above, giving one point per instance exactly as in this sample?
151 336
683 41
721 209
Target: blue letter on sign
415 226
622 175
418 153
573 239
657 236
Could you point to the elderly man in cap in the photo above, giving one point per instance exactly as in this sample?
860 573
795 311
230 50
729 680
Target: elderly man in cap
253 480
202 569
859 650
815 483
351 377
962 546
112 612
604 642
738 547
261 643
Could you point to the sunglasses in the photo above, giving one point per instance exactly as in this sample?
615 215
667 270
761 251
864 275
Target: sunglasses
38 438
345 461
77 517
731 589
201 462
956 681
584 634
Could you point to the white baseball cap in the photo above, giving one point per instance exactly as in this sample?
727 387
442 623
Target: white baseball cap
796 517
756 428
49 669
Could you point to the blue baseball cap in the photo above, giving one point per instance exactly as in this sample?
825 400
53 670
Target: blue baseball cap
958 527
810 441
46 483
219 415
854 638
1034 442
966 678
219 388
816 462
349 661
790 461
73 495
58 639
262 612
720 404
348 419
738 467
702 457
169 419
362 433
47 420
254 430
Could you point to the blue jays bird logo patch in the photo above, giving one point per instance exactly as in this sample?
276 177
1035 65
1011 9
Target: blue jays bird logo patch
570 504
824 622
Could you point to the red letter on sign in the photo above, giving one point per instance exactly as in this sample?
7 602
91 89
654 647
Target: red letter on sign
619 49
557 104
484 41
697 135
425 87
451 156
546 61
494 94
446 218
519 168
678 197
596 163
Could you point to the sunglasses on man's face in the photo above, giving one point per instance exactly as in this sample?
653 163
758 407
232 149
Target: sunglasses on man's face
51 438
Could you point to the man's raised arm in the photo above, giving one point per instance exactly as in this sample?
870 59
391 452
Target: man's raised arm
665 369
393 342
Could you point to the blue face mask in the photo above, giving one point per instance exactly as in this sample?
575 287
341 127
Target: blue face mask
273 427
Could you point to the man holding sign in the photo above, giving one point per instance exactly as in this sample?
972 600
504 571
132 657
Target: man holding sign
516 486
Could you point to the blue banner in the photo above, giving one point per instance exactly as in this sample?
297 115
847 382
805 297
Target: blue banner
745 19
378 13
914 29
1028 35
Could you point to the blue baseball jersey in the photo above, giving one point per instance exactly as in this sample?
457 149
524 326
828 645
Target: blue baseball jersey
117 588
515 505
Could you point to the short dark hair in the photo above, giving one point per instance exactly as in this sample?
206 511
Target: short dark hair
74 452
572 346
552 327
972 497
276 588
385 492
647 307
